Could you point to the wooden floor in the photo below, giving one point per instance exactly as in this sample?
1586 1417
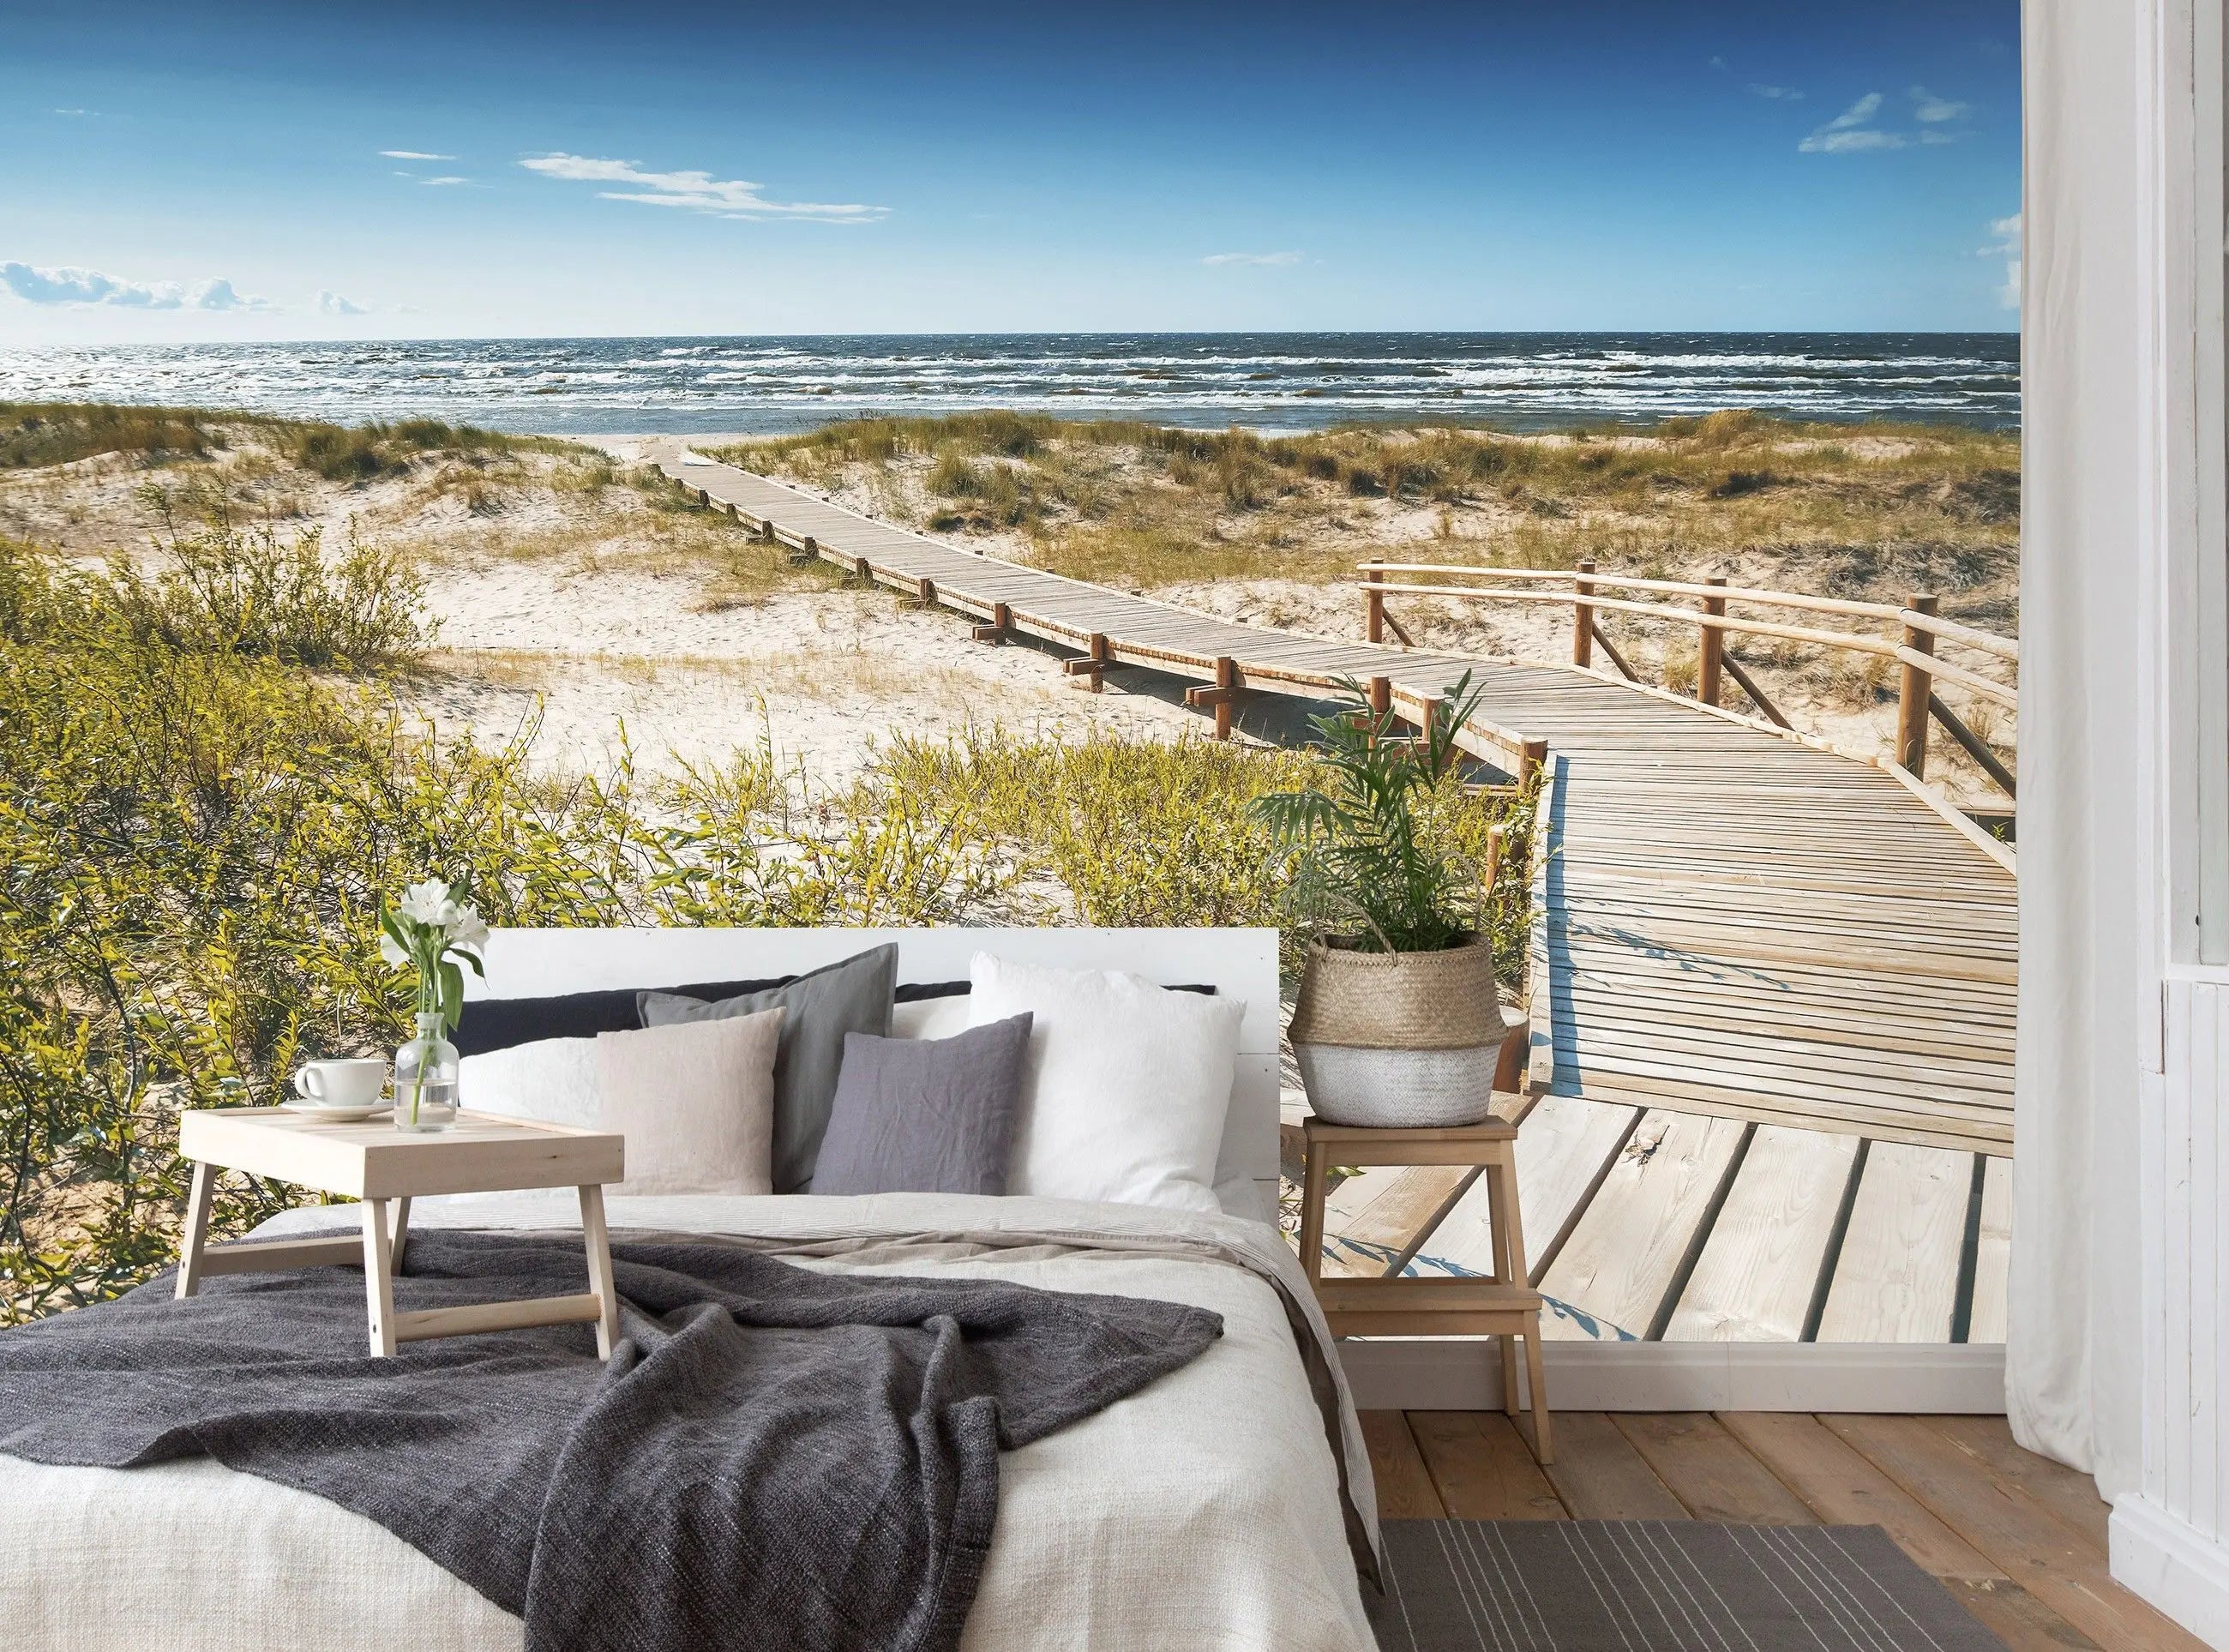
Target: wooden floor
1772 998
2019 1540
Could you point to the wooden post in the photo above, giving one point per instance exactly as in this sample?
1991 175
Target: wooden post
861 567
1494 835
1001 617
1099 656
1381 707
1535 756
811 547
1226 677
1375 598
1712 663
1913 692
925 592
1583 617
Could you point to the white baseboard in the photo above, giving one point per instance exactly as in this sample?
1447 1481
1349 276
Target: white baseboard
1424 1373
2179 1569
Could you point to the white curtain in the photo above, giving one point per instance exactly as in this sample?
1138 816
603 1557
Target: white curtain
2073 1359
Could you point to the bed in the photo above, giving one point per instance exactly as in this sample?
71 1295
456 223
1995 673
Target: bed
1227 1505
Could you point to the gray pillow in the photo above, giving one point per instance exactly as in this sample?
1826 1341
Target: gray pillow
926 1115
853 996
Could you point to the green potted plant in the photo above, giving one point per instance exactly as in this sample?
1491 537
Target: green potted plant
1399 1021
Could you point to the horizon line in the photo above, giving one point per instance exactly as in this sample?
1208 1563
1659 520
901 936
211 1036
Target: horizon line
1068 332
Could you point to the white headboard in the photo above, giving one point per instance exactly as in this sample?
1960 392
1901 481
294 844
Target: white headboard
1239 963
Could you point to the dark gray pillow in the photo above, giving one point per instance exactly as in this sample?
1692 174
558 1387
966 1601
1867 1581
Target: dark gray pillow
853 996
490 1024
926 1115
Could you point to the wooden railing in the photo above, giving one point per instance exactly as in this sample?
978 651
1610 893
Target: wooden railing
1916 631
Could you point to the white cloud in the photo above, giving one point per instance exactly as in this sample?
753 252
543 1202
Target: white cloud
219 295
73 112
2006 246
72 285
442 182
414 155
332 304
1932 110
1778 94
694 191
1852 131
1259 259
1717 62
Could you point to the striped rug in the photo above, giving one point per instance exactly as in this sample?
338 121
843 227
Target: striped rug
1660 1586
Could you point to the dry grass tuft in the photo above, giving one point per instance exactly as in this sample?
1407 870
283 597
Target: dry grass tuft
1842 510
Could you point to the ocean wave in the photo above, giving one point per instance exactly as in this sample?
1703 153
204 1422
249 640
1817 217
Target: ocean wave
1269 380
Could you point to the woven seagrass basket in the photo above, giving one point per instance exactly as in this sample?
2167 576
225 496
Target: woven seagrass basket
1401 1040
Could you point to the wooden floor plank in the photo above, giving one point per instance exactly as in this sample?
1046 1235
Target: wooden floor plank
2039 1552
2067 1492
1405 1491
1843 1489
1599 1476
1482 1469
1714 1475
2018 1618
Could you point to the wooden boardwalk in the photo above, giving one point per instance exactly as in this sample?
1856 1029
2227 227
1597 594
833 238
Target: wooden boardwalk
1772 986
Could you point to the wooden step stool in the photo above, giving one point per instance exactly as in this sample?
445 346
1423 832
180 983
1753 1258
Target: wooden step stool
1503 1304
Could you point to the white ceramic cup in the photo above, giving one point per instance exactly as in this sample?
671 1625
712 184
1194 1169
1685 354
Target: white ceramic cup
341 1084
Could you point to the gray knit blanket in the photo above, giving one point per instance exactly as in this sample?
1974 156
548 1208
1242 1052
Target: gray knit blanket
774 1456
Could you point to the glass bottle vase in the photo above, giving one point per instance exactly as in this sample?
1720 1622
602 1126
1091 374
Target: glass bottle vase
426 1078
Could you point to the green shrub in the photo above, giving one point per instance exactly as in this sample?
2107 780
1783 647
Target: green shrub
227 591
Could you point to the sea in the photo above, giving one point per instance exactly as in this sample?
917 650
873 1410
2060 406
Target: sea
1266 382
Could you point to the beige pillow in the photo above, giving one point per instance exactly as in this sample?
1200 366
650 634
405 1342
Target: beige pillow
695 1101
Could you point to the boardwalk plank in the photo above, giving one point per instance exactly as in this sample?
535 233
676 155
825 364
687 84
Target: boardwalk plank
1898 1273
1756 1277
1735 923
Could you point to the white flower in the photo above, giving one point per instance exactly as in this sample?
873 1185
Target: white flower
389 952
466 928
423 903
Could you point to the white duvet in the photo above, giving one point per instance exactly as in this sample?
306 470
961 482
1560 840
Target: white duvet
1205 1511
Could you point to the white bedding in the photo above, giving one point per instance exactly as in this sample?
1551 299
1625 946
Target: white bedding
1203 1512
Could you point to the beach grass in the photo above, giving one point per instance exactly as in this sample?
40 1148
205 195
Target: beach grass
1843 509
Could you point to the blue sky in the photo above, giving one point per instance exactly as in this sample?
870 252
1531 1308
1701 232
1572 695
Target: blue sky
226 171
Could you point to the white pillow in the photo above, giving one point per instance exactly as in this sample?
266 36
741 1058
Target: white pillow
553 1080
930 1018
695 1101
1127 1085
